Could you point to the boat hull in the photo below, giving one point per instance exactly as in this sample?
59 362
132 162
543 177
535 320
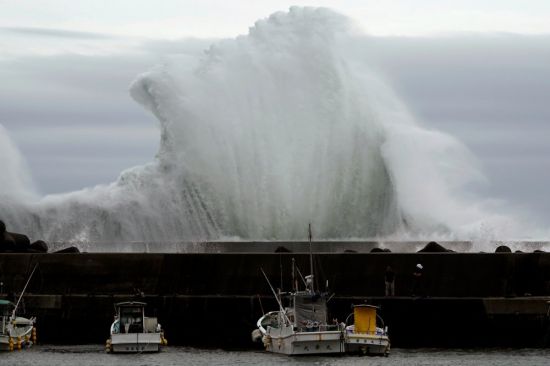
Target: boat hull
365 344
306 343
136 342
19 330
5 343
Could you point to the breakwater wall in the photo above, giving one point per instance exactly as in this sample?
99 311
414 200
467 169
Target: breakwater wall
498 299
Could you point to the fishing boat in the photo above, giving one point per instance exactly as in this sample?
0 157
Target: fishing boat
15 332
301 327
133 332
363 335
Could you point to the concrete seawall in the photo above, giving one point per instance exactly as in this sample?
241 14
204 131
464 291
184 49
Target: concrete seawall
215 299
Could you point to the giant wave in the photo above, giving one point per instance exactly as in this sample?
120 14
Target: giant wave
265 133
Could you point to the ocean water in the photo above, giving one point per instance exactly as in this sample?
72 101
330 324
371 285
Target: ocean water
94 355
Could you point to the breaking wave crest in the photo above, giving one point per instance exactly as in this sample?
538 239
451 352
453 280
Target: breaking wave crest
267 132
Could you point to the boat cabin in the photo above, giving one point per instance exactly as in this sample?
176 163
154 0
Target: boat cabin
365 319
132 331
309 310
6 308
130 318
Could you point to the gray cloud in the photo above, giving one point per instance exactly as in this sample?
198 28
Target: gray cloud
55 33
491 92
73 119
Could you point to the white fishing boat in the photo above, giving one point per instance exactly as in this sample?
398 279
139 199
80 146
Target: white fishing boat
366 333
133 332
16 332
301 328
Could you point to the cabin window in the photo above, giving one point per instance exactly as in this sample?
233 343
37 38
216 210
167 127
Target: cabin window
132 319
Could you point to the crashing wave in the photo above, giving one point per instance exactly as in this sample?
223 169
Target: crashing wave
265 133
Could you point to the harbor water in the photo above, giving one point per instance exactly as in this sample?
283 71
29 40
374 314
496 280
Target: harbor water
88 355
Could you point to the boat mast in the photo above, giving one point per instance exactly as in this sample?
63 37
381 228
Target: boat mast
23 292
311 259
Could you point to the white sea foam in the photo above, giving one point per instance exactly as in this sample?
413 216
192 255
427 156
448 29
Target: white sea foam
270 131
15 179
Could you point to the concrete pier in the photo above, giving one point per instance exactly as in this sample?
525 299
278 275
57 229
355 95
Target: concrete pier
214 299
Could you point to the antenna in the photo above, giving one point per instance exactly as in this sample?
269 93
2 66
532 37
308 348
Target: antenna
294 282
281 271
281 307
301 277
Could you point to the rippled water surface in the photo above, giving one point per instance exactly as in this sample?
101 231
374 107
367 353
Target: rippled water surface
94 355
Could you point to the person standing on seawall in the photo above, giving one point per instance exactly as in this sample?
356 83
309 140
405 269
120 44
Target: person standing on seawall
389 280
417 280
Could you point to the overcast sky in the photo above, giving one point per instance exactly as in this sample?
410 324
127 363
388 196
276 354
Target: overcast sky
478 70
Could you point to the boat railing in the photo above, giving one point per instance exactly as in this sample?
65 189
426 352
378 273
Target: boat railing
377 332
320 328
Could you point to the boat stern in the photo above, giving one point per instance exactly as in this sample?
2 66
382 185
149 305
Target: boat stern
136 342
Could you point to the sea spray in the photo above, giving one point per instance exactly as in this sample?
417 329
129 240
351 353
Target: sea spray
265 133
15 179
